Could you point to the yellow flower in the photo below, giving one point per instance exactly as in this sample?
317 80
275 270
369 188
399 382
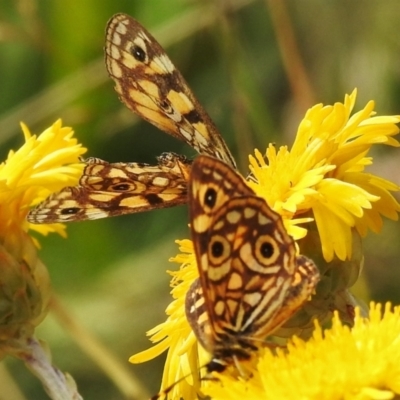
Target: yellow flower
43 165
324 173
184 354
340 363
26 177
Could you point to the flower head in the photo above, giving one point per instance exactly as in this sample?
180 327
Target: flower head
339 363
321 179
185 354
26 177
43 165
324 173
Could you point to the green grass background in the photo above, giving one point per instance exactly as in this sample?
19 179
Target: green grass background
110 274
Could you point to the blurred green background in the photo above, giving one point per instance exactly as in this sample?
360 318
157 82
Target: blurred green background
111 274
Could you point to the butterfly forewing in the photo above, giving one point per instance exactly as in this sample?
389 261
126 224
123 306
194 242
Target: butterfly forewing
212 184
110 189
250 280
149 84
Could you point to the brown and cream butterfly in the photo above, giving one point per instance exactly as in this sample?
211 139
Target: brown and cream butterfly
250 279
148 84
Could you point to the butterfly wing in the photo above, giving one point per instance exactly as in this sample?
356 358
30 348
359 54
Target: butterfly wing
148 84
247 263
250 280
111 189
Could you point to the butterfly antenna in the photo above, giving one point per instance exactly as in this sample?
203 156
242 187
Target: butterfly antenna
164 393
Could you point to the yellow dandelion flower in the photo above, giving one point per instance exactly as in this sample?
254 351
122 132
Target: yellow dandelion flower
339 363
26 177
184 354
43 165
325 173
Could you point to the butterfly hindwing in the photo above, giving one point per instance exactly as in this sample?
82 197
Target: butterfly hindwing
110 189
250 279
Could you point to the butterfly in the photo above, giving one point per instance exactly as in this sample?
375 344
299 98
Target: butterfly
250 279
148 84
